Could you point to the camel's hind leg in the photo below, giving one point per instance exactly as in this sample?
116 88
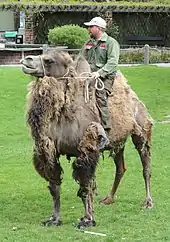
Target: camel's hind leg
143 149
120 170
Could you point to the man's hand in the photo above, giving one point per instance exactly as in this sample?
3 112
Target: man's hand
95 75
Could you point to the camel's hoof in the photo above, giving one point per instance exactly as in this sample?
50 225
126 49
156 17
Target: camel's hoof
148 203
86 223
51 221
106 201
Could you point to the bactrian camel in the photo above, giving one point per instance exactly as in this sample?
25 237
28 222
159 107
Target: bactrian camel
64 120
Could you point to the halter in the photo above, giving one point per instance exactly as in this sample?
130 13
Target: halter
44 72
42 64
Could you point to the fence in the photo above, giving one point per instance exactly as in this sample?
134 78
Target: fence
145 55
12 54
135 54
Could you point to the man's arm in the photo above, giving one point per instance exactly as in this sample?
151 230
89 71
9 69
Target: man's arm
112 60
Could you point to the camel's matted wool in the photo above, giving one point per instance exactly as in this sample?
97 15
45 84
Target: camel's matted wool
64 120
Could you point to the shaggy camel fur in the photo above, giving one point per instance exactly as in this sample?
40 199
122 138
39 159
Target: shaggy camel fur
62 122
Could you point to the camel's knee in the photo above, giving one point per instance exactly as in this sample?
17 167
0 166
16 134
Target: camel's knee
146 172
84 169
84 173
120 173
54 190
83 192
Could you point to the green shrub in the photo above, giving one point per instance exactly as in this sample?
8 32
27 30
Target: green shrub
132 56
159 56
72 36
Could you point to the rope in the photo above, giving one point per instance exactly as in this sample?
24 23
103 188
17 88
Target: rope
86 89
66 73
41 60
99 85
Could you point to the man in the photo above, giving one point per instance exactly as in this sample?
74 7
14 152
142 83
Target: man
102 53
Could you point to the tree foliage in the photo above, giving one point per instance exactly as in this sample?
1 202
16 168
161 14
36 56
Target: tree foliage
113 30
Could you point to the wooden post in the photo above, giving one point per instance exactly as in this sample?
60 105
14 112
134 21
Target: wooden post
45 48
146 54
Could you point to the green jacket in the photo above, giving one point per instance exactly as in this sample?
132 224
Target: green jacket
102 55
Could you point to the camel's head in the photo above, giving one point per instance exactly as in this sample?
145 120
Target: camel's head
54 63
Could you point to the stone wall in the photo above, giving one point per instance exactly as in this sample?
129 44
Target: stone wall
11 57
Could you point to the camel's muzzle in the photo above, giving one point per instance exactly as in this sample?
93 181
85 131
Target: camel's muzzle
29 65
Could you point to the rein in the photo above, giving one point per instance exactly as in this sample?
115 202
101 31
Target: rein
65 75
99 85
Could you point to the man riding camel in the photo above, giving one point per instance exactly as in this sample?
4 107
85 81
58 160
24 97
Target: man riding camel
102 53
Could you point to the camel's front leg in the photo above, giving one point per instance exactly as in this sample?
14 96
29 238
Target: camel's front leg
87 194
54 187
83 173
55 218
84 169
51 171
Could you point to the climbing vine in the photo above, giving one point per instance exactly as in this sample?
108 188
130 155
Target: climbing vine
24 3
131 17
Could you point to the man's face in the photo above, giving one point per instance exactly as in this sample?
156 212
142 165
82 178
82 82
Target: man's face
94 31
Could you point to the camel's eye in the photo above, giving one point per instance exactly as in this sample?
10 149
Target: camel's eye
48 60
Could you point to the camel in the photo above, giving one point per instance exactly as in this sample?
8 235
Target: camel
64 120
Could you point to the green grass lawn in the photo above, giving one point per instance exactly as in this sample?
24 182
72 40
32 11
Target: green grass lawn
25 200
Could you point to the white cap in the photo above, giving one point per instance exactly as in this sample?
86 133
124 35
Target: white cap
97 21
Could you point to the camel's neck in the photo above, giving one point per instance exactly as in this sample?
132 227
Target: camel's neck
76 90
